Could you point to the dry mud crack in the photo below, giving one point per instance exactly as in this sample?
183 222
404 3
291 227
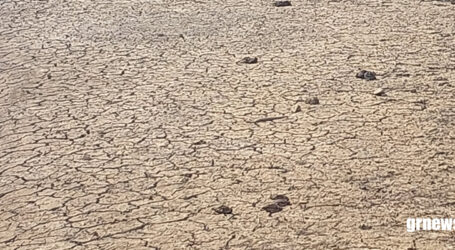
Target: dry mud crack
126 124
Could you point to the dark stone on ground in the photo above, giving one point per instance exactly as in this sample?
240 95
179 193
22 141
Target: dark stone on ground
361 74
282 3
367 75
249 60
279 197
223 210
281 200
272 208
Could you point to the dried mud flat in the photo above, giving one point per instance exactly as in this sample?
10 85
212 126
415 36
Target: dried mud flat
131 124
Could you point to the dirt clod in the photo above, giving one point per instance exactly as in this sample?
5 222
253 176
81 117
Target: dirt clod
200 142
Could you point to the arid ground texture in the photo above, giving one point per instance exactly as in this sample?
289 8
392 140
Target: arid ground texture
136 125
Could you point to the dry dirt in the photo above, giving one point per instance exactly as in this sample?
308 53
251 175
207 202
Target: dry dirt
124 124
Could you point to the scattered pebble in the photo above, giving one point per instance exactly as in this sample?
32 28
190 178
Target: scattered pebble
249 60
367 75
223 210
282 3
379 92
281 200
279 197
312 100
272 208
360 74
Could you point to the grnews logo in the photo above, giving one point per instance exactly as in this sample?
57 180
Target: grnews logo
427 224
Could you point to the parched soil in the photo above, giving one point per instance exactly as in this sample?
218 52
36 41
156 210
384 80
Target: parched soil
139 125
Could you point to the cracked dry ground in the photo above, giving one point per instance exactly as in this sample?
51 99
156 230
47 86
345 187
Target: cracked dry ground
125 123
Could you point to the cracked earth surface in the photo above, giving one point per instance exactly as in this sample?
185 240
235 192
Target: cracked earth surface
128 124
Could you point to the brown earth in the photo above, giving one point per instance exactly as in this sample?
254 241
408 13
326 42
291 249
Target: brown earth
127 124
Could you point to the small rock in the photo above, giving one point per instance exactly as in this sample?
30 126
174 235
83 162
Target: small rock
281 200
223 210
365 227
283 203
379 92
272 208
282 3
249 60
312 100
297 109
279 197
367 75
360 74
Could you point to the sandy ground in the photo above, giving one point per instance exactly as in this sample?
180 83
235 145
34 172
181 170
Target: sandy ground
124 124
